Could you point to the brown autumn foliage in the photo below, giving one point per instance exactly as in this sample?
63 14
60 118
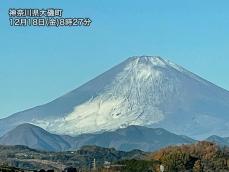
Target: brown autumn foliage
199 157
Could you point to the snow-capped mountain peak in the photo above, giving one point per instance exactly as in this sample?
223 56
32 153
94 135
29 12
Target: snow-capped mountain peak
144 90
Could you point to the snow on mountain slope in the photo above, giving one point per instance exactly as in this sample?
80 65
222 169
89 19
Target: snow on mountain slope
147 91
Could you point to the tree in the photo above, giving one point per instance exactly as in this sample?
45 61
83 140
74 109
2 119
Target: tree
198 166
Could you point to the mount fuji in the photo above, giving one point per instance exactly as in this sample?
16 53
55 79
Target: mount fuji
145 91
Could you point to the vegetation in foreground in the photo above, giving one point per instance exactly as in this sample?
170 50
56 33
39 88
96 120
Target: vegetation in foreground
200 157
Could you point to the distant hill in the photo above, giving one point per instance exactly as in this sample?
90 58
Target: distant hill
30 159
222 141
126 139
34 137
134 137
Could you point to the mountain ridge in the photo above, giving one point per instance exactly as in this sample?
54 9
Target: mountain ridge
222 141
126 139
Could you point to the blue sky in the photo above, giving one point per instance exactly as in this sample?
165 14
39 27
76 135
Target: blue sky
40 64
